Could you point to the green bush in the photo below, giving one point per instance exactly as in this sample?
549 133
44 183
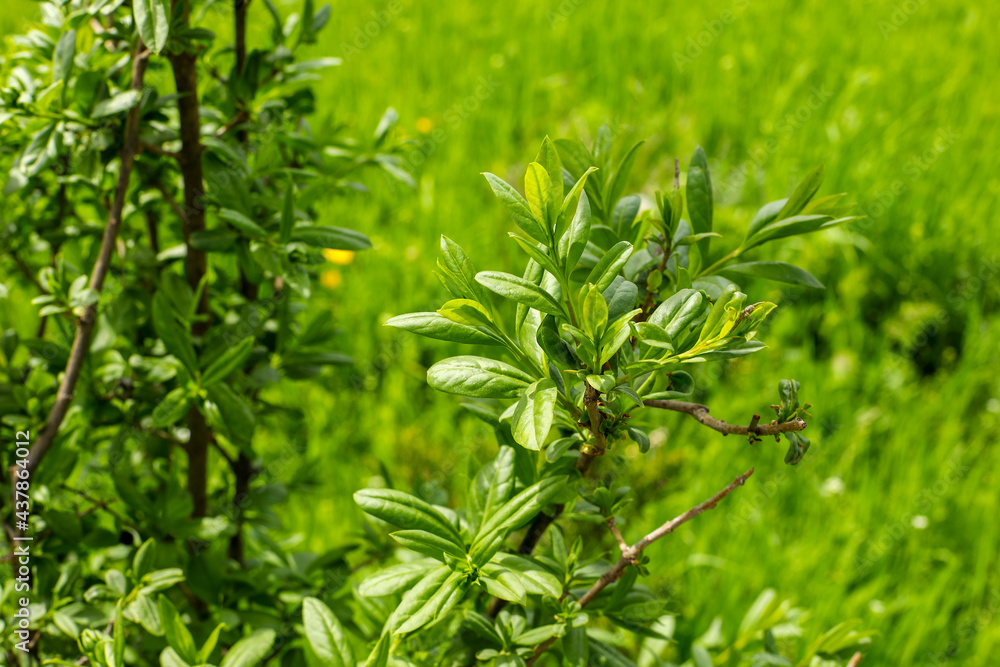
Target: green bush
592 332
165 186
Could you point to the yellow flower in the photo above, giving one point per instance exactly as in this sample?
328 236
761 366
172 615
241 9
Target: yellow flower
330 279
424 125
341 257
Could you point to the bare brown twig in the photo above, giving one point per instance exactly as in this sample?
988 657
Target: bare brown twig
630 554
81 341
159 150
700 412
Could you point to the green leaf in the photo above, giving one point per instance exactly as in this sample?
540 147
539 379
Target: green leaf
593 313
639 436
494 482
793 226
536 636
602 383
548 338
574 241
549 159
617 185
623 215
228 362
533 414
443 599
206 649
337 238
540 193
395 578
144 611
458 273
152 18
172 408
42 149
243 224
615 337
169 658
250 651
428 544
679 304
717 316
776 271
236 412
621 296
145 559
62 58
326 635
803 194
576 191
517 207
407 512
439 327
694 238
503 584
477 376
518 510
520 290
117 104
699 196
178 636
539 254
467 312
386 123
119 635
766 215
603 274
535 578
418 596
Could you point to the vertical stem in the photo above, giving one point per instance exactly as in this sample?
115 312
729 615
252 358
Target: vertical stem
243 469
85 326
184 65
542 520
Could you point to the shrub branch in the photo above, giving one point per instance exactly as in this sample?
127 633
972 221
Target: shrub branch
630 554
85 325
700 412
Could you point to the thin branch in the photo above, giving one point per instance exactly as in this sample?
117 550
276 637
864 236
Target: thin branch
103 504
81 342
167 197
622 544
99 506
700 412
153 148
28 273
240 117
229 459
855 660
630 555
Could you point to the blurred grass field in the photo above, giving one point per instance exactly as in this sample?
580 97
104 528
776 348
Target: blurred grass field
891 517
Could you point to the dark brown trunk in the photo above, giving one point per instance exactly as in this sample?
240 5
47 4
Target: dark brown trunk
195 264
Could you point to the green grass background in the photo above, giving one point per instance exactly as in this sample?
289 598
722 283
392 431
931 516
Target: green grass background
892 516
